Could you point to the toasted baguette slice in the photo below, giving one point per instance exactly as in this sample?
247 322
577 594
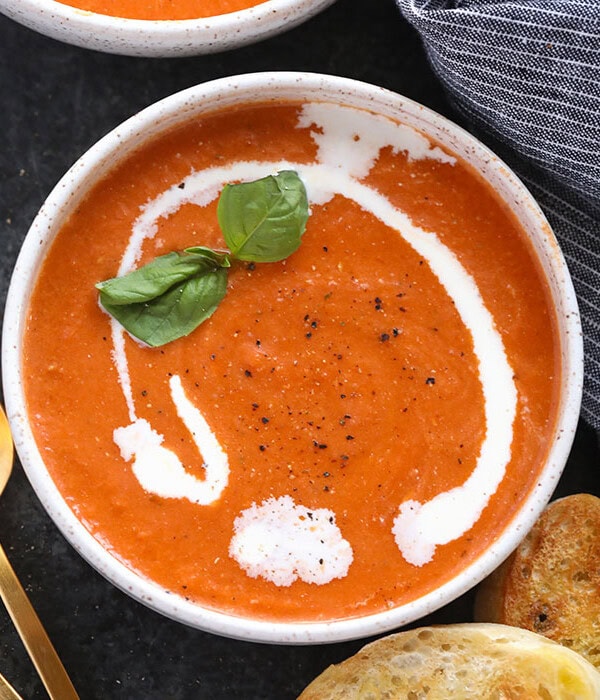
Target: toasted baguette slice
470 660
551 583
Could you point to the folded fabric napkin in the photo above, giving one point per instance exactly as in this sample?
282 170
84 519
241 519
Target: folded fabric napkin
525 77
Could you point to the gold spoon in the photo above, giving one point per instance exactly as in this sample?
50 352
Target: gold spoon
7 692
36 641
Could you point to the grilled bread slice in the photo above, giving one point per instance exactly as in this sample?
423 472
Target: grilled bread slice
464 661
551 583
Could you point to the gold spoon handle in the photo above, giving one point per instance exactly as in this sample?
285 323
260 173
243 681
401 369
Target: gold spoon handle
7 692
36 641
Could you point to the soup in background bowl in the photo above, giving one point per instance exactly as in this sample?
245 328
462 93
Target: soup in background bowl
361 431
148 29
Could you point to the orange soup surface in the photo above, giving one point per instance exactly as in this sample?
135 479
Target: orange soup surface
378 405
162 9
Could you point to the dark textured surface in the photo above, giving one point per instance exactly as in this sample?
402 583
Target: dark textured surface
56 102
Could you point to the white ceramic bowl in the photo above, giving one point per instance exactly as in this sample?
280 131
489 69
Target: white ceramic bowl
284 86
132 37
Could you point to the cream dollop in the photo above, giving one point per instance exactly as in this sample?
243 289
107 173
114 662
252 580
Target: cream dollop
160 471
281 542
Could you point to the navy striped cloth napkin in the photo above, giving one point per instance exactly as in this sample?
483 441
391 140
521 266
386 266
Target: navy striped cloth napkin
525 77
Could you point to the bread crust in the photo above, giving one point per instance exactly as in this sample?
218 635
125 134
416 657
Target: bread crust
459 661
551 583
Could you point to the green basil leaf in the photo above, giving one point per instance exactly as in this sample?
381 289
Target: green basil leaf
174 313
263 221
159 275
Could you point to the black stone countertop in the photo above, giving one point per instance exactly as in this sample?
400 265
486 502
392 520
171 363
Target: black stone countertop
57 101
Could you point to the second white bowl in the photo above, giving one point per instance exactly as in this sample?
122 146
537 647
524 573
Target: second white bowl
164 38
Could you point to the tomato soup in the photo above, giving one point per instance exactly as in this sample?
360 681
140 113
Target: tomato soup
162 9
353 425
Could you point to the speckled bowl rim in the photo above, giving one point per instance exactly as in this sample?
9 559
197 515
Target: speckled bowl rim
161 38
277 86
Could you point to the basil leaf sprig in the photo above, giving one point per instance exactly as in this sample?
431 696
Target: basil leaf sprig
263 221
169 297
